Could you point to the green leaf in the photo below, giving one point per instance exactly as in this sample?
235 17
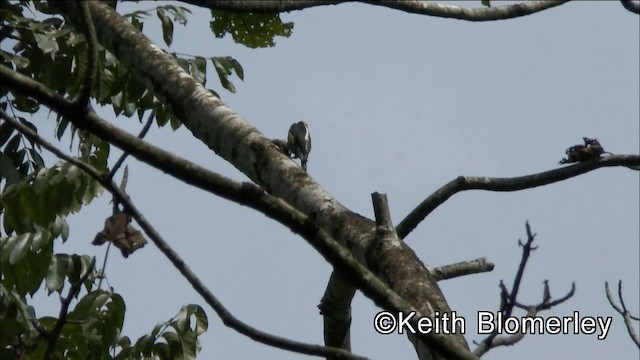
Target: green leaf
57 272
47 44
40 239
180 322
12 146
486 3
38 162
202 322
39 200
8 170
167 26
184 63
175 123
61 127
89 305
21 248
137 23
118 308
7 244
224 67
20 61
6 129
199 70
237 67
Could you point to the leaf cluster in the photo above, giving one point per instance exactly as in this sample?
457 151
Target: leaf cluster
253 30
36 198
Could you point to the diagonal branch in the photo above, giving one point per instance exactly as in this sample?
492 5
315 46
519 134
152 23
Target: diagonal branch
124 155
462 183
227 318
252 196
428 8
214 123
278 210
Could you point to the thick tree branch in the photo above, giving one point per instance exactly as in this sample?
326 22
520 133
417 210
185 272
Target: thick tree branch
387 258
238 142
245 194
502 12
335 308
428 8
462 183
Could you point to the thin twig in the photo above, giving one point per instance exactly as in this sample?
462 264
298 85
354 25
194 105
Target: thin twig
124 155
104 264
548 305
64 310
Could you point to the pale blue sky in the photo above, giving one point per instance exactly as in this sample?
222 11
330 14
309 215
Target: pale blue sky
402 104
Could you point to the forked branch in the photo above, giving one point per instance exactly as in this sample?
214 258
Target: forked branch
623 311
508 301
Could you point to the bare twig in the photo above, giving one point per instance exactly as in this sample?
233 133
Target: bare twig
416 7
124 155
527 248
64 310
463 183
104 265
626 314
548 305
179 263
462 268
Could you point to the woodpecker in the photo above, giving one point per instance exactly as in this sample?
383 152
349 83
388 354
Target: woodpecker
299 142
579 153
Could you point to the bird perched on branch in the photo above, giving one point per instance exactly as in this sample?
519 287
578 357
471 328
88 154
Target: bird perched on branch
579 153
299 142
